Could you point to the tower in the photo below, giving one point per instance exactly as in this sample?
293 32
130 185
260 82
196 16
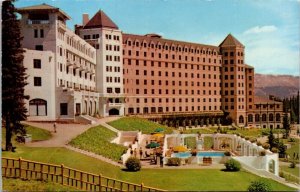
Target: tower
102 33
234 86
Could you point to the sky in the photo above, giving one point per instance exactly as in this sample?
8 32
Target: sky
269 29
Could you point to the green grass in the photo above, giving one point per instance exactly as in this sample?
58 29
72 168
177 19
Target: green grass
170 179
135 124
22 185
97 140
37 133
294 148
293 171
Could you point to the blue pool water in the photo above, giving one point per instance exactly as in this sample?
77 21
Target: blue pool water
199 154
210 154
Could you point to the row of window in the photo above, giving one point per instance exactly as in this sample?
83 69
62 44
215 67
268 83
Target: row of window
110 79
110 58
146 110
180 100
186 58
80 60
179 83
110 90
38 33
264 117
94 36
166 47
63 83
115 37
174 92
80 45
265 106
173 74
172 65
110 69
231 54
112 47
225 62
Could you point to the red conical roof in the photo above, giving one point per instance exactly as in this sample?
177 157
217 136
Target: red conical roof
231 41
100 20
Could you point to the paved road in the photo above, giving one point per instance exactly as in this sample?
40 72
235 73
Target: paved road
65 132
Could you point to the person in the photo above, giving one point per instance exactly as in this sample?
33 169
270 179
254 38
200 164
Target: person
141 153
54 126
134 152
131 152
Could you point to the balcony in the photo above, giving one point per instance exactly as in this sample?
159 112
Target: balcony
38 22
61 25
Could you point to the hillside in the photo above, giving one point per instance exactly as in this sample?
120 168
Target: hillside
278 85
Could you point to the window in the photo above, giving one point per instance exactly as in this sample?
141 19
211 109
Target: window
39 47
117 90
42 33
109 90
35 33
64 109
37 107
36 63
37 81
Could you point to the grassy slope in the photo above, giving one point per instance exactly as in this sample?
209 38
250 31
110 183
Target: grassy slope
134 124
20 185
181 179
294 171
37 133
97 140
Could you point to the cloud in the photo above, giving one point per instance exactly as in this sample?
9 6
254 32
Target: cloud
263 29
273 53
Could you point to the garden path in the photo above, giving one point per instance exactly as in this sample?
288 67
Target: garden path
65 132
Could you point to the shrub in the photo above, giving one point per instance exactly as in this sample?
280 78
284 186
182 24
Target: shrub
262 153
258 143
265 132
173 161
291 140
266 146
242 136
259 186
252 140
247 138
292 165
232 165
133 164
274 150
227 153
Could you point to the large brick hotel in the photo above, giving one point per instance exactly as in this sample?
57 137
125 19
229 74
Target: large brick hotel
98 69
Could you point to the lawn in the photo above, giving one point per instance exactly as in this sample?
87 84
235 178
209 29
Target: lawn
170 179
97 140
21 185
294 148
37 134
135 124
294 171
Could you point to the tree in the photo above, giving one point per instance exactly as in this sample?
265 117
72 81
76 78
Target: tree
286 125
271 139
13 74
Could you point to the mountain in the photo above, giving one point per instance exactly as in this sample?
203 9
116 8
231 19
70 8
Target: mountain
277 85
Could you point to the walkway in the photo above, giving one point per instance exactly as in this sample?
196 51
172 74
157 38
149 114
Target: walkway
65 132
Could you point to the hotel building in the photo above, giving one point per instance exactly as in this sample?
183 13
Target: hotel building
99 69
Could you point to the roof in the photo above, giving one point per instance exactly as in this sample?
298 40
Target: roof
100 20
42 7
260 100
231 41
157 39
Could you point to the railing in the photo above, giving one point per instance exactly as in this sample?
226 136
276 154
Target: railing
31 170
30 22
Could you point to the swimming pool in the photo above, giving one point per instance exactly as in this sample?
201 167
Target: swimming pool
199 154
210 154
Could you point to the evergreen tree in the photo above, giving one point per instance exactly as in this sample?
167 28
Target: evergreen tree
286 125
13 74
271 139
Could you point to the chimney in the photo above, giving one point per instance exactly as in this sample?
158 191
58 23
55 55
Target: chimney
85 19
